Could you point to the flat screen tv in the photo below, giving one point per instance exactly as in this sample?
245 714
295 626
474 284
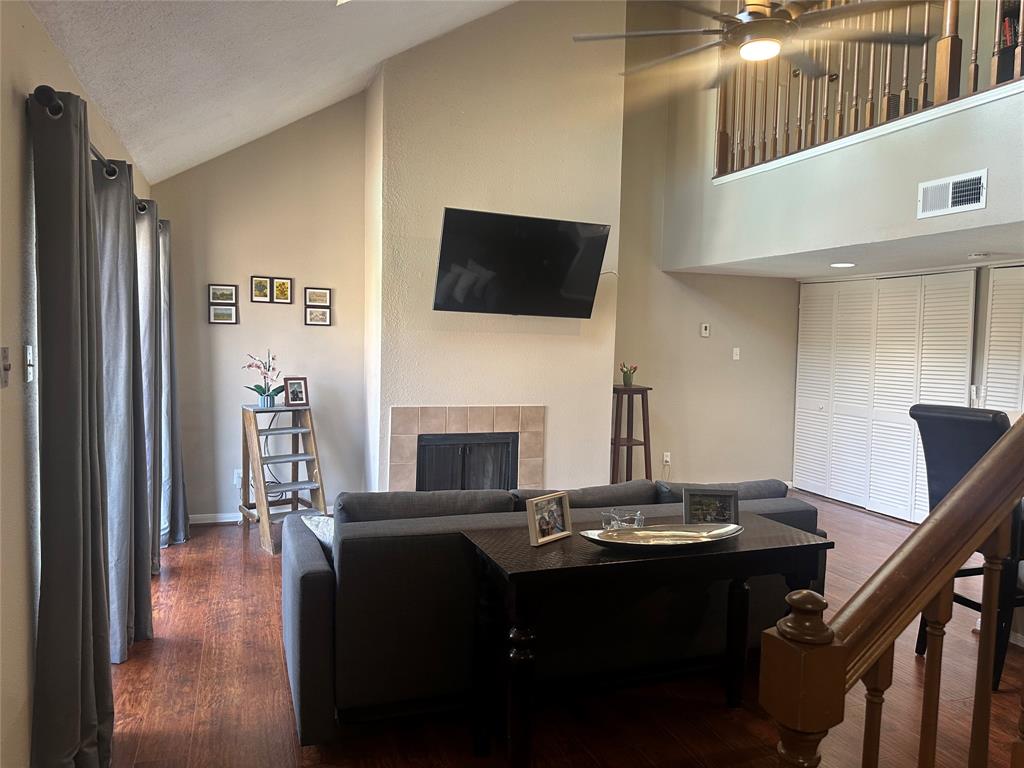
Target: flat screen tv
518 265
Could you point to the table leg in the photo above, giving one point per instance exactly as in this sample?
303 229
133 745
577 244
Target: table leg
520 683
485 669
736 641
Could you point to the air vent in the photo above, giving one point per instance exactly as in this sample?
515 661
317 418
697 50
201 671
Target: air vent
952 194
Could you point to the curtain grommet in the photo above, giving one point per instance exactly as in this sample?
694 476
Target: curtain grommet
141 207
110 171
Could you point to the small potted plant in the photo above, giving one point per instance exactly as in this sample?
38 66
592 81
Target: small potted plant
627 372
269 372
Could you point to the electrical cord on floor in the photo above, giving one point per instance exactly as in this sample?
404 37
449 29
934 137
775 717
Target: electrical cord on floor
268 467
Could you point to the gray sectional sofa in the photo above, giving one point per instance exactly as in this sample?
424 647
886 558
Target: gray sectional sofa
379 617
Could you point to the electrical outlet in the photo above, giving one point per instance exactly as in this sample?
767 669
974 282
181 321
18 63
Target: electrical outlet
705 330
666 458
236 479
735 353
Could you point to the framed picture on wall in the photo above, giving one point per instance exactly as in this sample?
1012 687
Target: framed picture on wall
259 289
296 391
548 518
221 293
282 290
318 315
223 314
318 297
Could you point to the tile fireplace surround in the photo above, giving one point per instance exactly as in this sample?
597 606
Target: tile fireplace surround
409 422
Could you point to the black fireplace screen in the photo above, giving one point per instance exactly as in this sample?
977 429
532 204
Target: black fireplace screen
468 461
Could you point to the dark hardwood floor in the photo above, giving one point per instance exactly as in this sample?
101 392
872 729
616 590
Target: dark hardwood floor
211 690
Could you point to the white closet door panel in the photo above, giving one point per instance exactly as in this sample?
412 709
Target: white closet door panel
947 340
895 384
1005 336
851 391
813 387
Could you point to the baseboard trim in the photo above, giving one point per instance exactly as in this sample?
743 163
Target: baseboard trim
219 517
1017 639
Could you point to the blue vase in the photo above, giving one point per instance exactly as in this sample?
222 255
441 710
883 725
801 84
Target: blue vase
266 401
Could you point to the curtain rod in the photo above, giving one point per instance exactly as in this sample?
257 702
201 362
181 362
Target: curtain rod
47 97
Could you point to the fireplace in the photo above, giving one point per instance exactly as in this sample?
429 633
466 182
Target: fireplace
467 461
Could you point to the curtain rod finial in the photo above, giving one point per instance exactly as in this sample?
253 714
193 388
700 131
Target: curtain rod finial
47 97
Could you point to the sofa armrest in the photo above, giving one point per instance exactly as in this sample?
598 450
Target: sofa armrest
307 618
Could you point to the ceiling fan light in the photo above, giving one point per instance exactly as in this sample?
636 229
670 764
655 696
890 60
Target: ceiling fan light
760 50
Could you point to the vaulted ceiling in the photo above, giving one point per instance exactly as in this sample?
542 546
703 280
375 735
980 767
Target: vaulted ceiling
182 81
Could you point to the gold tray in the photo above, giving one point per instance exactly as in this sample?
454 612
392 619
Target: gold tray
662 536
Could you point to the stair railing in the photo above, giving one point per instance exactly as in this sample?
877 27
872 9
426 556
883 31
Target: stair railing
808 665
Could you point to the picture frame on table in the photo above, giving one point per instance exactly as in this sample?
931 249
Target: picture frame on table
259 289
714 507
222 293
549 518
317 297
282 290
223 314
318 315
296 391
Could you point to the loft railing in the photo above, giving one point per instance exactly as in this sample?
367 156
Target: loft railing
808 665
767 110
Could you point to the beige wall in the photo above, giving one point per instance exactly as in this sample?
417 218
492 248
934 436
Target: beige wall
27 59
503 114
289 205
373 255
721 419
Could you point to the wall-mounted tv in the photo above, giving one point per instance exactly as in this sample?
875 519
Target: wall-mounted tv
518 265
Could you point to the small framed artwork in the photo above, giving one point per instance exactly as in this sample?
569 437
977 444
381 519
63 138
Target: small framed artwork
259 289
318 297
708 506
549 518
220 293
296 391
223 314
318 315
282 290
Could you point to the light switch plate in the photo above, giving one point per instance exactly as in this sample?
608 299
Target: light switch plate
705 330
5 366
30 364
735 353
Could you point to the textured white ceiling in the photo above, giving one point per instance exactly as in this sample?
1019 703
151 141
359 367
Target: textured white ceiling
183 82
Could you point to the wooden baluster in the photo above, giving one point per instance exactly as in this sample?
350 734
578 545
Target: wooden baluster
948 50
801 106
784 149
741 117
722 142
869 101
1018 54
936 616
812 99
823 125
752 147
973 70
996 550
905 106
922 87
773 147
840 123
801 654
737 156
996 44
853 114
877 682
764 117
886 89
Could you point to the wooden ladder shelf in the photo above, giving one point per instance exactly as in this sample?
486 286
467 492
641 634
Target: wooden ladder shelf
256 463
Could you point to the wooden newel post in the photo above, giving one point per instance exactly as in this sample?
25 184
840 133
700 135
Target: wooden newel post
948 52
803 679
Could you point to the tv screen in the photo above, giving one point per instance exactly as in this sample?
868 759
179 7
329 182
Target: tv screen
518 265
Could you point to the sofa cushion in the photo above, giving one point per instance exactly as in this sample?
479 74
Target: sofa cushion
792 512
630 492
749 489
322 527
401 505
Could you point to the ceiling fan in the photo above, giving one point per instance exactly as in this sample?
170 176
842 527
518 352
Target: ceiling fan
765 29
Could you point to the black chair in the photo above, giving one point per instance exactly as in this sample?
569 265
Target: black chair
954 439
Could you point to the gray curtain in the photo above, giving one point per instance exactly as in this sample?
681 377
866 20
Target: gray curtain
128 521
147 247
173 507
73 712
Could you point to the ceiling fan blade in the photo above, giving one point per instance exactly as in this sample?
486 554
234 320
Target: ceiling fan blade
727 64
795 8
840 12
589 38
710 13
861 36
673 57
804 62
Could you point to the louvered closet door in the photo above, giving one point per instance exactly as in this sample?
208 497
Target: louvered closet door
947 341
851 391
1004 358
813 387
895 378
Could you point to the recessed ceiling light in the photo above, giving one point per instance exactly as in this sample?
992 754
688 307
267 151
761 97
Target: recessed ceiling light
977 256
842 265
